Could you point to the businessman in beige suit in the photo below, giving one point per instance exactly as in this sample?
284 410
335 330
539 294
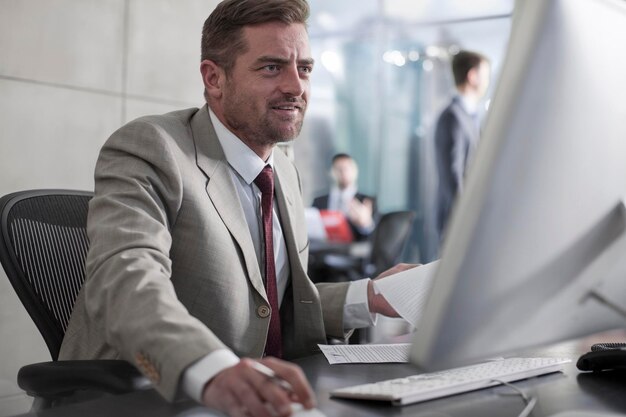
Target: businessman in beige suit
177 279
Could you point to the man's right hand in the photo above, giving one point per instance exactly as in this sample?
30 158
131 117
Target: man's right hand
242 391
360 213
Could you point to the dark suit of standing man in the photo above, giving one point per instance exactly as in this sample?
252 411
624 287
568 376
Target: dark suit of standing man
193 255
457 131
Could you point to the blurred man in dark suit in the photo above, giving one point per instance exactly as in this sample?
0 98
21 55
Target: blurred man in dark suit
359 209
458 129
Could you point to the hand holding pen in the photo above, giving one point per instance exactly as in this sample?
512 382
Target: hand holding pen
264 388
271 376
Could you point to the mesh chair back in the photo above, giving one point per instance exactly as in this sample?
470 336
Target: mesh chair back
389 238
42 249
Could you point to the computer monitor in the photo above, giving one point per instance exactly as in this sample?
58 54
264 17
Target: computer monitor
536 247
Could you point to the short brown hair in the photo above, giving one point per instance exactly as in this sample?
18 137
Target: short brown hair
339 156
222 34
463 62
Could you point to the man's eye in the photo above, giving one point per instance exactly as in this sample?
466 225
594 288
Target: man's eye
271 68
306 70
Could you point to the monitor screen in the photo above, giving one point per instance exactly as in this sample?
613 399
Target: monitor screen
535 251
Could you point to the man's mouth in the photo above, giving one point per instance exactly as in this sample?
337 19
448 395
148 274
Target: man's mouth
292 104
287 107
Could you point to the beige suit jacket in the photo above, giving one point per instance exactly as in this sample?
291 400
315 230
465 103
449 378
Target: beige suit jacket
172 274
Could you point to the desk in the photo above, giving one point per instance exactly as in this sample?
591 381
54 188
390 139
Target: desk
337 261
359 249
556 392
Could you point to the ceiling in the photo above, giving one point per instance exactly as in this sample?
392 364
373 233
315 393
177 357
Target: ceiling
348 15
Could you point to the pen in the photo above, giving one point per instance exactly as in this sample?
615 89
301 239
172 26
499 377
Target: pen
271 375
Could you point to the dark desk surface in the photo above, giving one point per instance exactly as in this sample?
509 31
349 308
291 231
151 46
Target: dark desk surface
570 390
337 261
356 249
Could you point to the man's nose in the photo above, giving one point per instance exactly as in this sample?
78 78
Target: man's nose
292 82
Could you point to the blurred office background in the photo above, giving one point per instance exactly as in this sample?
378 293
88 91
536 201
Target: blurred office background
73 71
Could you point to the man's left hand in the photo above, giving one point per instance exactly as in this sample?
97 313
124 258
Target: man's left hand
378 303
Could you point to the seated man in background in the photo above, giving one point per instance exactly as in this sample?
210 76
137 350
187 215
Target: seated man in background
359 209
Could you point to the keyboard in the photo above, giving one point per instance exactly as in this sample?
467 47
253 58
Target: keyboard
423 387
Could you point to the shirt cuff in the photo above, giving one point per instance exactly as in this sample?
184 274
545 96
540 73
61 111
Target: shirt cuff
356 312
366 230
200 372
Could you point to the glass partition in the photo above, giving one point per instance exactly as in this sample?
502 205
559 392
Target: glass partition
381 78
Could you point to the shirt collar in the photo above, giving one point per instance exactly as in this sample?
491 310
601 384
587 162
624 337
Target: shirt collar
470 106
239 156
349 191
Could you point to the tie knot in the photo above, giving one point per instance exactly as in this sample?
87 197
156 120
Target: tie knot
265 180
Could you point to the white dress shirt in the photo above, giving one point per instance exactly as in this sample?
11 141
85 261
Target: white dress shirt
340 199
471 108
245 165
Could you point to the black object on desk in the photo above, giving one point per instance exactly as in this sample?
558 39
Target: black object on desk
604 357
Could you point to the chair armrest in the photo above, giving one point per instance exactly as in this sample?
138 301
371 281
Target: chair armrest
62 378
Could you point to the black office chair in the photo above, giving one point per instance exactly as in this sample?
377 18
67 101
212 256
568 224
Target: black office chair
388 240
43 245
387 243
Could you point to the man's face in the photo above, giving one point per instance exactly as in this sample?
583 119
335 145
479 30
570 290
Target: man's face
484 74
345 172
265 95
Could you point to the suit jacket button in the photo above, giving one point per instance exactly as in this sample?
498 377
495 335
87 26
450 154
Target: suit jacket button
263 311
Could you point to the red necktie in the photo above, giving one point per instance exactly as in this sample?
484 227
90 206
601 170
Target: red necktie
265 182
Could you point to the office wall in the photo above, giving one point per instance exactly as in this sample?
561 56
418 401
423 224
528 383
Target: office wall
71 72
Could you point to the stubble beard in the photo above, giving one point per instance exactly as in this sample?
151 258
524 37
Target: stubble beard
265 129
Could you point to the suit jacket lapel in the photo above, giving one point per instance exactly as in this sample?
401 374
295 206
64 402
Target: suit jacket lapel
285 208
285 194
222 192
306 323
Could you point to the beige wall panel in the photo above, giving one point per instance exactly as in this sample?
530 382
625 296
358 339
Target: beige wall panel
164 48
21 344
50 137
138 108
14 404
77 43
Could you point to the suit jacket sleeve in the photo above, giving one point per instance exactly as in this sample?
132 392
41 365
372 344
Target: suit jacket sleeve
333 298
458 153
320 203
128 287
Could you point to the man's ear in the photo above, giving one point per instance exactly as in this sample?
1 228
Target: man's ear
213 77
473 78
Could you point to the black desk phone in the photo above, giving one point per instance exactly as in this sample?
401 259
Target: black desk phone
604 357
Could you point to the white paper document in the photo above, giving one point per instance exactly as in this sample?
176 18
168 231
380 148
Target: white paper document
381 353
407 291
